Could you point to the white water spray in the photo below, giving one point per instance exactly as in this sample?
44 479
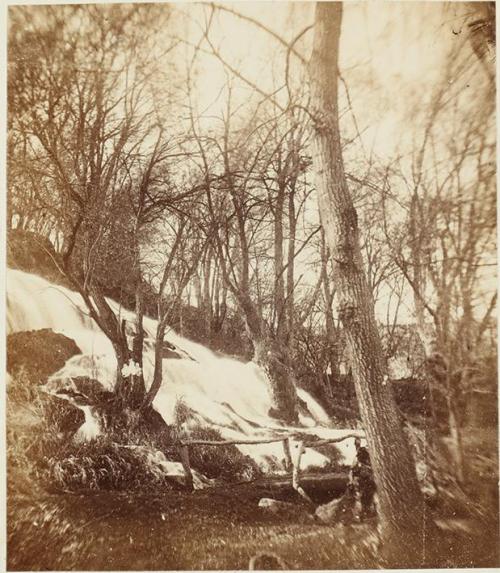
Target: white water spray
227 394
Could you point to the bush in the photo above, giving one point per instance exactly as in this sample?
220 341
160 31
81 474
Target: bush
220 462
38 428
28 436
105 465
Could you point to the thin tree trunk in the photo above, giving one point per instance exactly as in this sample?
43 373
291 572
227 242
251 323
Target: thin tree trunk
401 505
290 271
207 292
456 442
138 389
279 282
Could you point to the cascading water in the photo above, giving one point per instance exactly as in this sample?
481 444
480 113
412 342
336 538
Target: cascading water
228 395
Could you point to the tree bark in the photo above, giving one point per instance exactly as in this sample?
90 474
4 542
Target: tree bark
290 271
270 355
274 361
401 506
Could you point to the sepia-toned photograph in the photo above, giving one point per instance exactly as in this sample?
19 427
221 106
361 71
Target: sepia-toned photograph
251 286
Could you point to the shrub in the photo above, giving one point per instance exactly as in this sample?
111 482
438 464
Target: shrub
26 429
219 462
38 427
105 465
222 462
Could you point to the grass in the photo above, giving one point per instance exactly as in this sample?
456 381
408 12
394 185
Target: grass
105 465
118 514
220 529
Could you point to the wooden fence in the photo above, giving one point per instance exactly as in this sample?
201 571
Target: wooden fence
291 461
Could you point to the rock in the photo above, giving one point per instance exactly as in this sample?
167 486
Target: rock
89 398
267 562
158 464
285 508
170 354
275 505
78 390
327 513
32 357
38 353
342 510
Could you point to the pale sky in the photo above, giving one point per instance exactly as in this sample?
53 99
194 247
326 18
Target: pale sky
388 45
392 54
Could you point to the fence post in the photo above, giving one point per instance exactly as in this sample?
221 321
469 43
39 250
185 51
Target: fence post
184 453
288 456
300 449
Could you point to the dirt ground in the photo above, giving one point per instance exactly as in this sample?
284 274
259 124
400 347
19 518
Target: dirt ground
218 529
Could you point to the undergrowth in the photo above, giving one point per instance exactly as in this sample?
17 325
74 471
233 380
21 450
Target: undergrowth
105 465
222 462
43 455
215 462
42 451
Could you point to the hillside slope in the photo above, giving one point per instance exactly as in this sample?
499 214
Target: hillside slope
219 392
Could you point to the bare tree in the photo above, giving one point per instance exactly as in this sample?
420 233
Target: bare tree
401 504
444 247
84 103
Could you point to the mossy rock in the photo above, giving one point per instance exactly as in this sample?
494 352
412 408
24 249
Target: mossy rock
39 353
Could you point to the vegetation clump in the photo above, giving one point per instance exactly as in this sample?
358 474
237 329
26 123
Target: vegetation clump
225 463
105 465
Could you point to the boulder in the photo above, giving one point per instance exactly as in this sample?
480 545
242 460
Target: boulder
169 351
159 465
344 510
274 505
32 357
38 353
285 508
327 513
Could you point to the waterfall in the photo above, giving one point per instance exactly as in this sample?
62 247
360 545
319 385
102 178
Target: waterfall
230 395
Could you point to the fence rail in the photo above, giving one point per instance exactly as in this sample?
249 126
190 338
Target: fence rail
291 461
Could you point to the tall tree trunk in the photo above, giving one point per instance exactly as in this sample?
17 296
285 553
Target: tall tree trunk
401 505
332 333
274 360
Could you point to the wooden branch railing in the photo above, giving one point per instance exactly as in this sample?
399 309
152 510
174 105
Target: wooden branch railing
292 458
228 442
